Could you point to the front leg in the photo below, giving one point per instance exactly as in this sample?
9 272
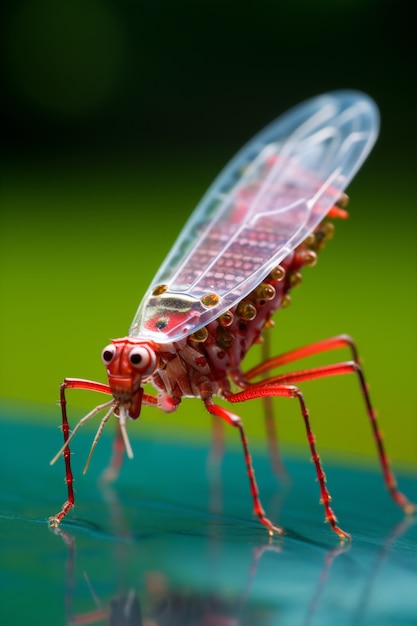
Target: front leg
73 383
89 385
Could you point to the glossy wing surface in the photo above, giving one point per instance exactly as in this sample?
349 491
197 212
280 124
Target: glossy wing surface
265 202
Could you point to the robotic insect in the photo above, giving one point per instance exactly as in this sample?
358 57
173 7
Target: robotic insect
232 267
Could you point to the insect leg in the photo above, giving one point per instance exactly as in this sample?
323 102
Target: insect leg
235 421
268 363
290 391
333 343
71 383
347 368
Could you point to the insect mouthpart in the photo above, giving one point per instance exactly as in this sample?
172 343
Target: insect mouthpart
123 414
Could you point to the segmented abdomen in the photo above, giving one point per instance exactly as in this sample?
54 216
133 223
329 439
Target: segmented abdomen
225 341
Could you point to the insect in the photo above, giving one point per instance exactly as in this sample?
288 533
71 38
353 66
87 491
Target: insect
232 267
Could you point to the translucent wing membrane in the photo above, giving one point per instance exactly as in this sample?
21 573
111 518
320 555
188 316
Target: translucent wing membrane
265 202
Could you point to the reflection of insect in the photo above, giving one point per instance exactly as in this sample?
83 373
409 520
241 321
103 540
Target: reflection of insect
162 600
231 268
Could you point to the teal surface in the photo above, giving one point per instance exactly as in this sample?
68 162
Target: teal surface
171 545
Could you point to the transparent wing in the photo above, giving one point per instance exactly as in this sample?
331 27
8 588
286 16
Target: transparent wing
266 201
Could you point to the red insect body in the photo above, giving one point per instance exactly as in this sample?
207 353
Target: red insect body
232 267
205 363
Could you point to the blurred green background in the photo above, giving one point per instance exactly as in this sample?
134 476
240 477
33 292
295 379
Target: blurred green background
117 116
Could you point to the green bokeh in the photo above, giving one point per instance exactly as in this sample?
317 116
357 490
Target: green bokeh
118 116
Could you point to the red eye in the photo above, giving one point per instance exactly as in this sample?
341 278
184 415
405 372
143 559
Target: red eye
143 359
108 354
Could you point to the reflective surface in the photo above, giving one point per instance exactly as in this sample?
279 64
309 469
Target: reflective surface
172 544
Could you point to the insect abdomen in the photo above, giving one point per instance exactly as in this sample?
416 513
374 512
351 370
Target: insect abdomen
226 340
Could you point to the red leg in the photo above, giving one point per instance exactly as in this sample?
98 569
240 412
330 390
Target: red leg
273 387
290 391
217 447
235 421
269 363
346 368
71 383
79 383
333 343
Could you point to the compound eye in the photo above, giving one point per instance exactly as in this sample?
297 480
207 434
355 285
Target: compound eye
108 354
143 359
